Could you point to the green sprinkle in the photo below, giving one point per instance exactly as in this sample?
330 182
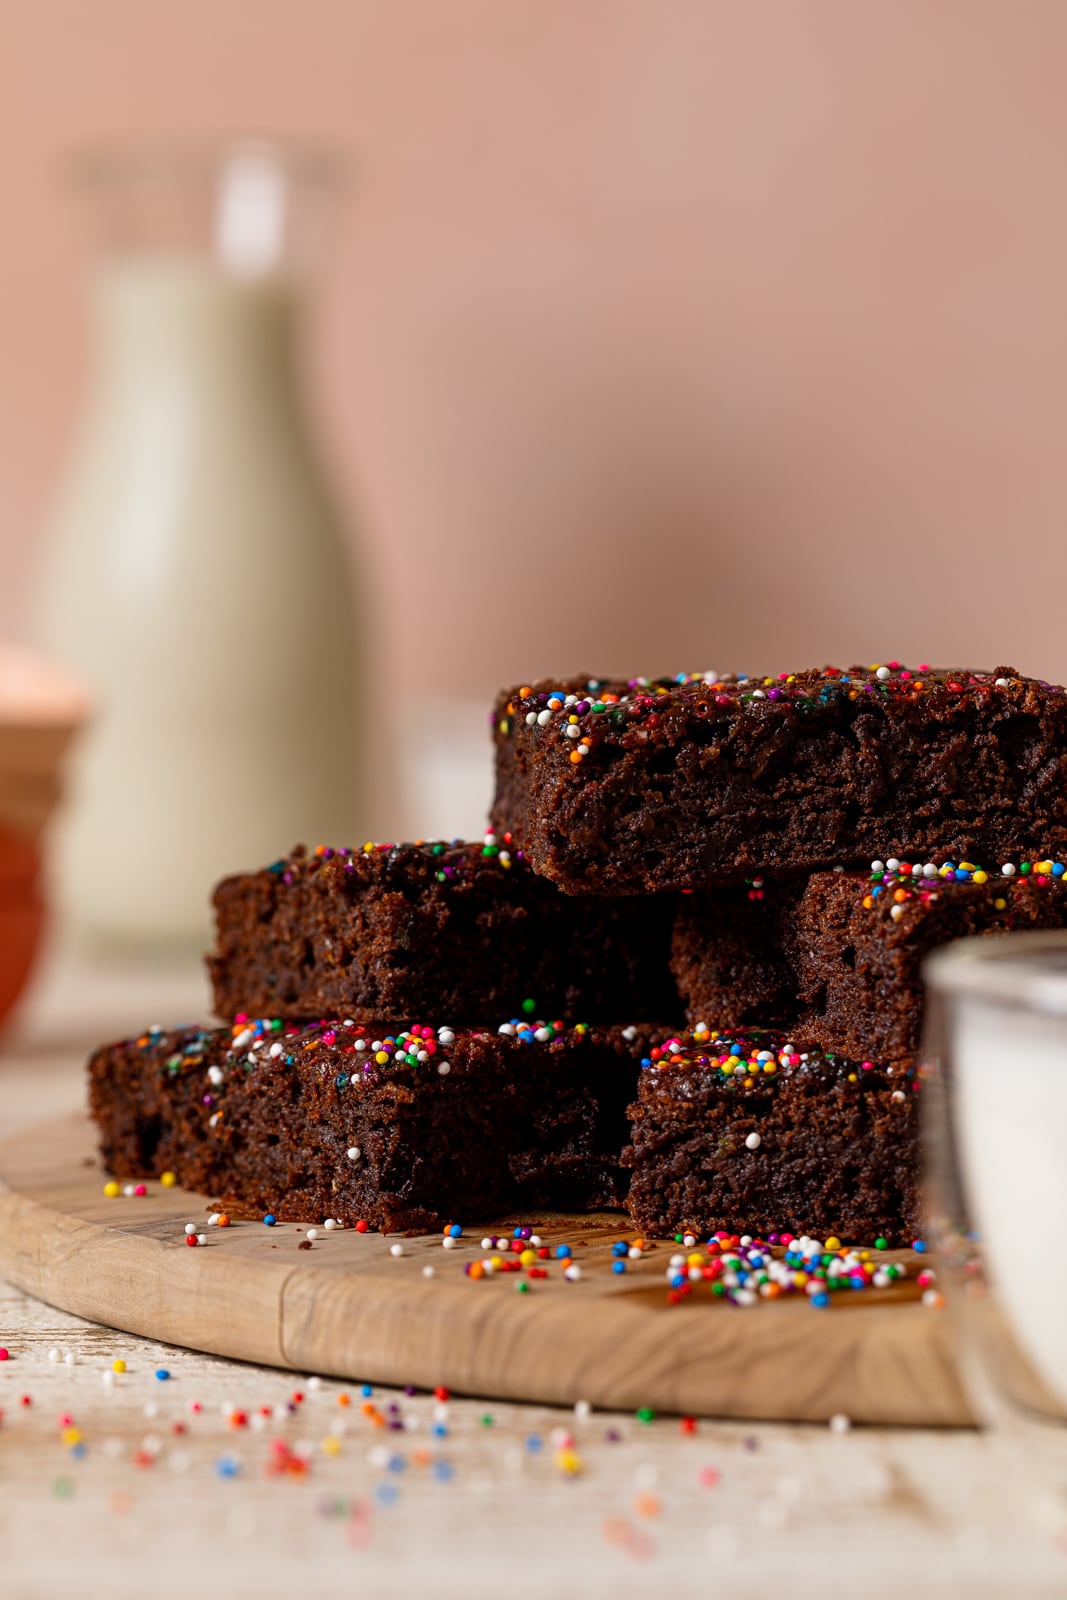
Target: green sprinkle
522 1288
645 1414
440 876
486 1419
438 850
62 1488
529 1006
276 1025
881 1244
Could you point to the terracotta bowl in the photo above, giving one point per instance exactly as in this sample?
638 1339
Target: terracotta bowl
41 708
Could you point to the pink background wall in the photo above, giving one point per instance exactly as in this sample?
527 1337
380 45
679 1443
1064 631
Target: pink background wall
674 334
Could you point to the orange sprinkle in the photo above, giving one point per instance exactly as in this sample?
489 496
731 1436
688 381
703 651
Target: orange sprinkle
222 1220
344 1400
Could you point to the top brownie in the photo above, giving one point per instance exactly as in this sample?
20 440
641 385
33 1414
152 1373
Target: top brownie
462 930
625 786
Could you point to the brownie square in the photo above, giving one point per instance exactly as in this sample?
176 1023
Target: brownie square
466 931
838 956
745 1133
629 786
404 1128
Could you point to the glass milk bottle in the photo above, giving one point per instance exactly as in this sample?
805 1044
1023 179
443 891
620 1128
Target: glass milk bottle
198 578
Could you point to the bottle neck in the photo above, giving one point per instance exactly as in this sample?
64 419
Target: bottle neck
178 319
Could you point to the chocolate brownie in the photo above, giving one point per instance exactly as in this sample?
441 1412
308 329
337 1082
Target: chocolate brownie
745 1133
459 930
619 787
838 957
405 1128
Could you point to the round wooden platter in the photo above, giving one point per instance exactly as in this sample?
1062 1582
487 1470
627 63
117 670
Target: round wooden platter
349 1308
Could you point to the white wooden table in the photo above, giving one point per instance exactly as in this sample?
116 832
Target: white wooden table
168 1500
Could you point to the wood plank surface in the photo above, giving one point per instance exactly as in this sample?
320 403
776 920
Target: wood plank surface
349 1307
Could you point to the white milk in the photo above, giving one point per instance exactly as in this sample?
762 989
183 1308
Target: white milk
1010 1069
199 582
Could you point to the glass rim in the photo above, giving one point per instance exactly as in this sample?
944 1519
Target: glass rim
1015 971
107 165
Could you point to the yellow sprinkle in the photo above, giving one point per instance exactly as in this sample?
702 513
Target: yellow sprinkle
852 1077
331 1445
967 866
528 1258
833 1243
118 1365
71 1436
999 905
168 1179
695 1259
382 1057
368 846
981 877
569 1461
770 1066
112 1189
496 1262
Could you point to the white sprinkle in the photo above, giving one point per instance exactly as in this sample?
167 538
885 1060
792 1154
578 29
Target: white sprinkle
448 1243
677 1261
275 1050
896 912
201 1238
213 1220
877 866
544 717
582 1410
839 1423
753 1141
531 718
213 1119
313 1234
151 1409
427 1271
893 865
396 1249
55 1354
635 1252
629 1033
128 1190
445 1035
1002 683
573 1272
314 1384
543 1034
931 1297
243 1040
353 1152
758 694
443 1069
487 1243
929 870
361 1044
508 1029
1007 870
882 674
689 1240
190 1227
898 1094
329 1224
917 871
107 1377
215 1075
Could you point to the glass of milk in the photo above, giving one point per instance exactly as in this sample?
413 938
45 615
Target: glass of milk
197 576
996 1129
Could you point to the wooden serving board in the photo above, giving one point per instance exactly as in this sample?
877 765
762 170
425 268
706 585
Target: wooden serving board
348 1308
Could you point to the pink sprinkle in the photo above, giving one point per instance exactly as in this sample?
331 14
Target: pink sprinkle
5 1355
708 1477
866 1065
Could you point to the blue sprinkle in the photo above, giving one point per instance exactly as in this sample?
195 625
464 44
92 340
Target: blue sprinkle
678 1279
620 1249
455 1231
1057 869
386 1493
442 1470
269 1220
366 1391
618 1266
961 876
79 1451
562 1251
820 1300
396 1464
228 1466
439 1430
919 1246
534 1442
162 1374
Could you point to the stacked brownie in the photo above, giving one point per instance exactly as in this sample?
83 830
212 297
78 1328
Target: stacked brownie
427 1032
